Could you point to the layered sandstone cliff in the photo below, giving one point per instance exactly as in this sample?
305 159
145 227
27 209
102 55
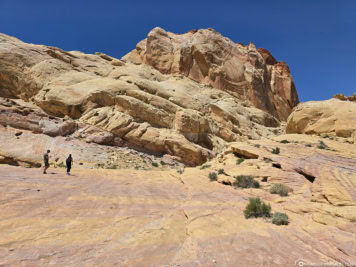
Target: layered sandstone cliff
196 92
209 58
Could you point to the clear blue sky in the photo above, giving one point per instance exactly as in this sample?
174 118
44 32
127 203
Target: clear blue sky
317 38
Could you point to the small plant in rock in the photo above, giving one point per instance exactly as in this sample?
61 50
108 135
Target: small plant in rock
280 218
246 181
221 171
308 145
322 145
162 163
279 189
284 142
154 164
257 145
239 161
213 176
276 151
257 208
205 166
180 171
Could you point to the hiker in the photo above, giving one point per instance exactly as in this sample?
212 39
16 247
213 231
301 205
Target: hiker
69 162
46 161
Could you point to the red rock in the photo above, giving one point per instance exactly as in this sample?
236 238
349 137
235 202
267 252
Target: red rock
208 57
267 56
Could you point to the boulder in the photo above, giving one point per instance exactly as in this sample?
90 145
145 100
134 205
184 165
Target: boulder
340 97
318 117
105 138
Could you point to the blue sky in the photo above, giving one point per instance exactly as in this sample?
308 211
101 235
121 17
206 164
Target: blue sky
317 38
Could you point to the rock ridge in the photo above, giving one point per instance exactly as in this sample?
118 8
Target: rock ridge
209 58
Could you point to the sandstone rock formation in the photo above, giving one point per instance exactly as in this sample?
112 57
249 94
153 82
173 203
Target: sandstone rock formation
209 58
334 116
345 98
164 218
103 100
186 98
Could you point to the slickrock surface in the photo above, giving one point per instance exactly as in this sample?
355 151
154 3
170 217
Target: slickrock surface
163 218
210 58
107 101
334 117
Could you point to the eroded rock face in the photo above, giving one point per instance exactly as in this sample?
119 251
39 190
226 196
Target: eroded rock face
141 105
209 58
22 116
334 116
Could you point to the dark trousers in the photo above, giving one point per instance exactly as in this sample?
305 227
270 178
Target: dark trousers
68 168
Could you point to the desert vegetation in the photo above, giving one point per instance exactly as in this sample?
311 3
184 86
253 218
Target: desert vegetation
239 161
279 218
257 208
322 145
276 151
279 189
213 176
246 181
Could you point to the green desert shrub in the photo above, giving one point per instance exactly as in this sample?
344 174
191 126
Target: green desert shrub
279 218
284 142
205 166
279 189
308 145
246 181
221 171
213 176
322 145
154 164
276 150
180 171
239 161
257 208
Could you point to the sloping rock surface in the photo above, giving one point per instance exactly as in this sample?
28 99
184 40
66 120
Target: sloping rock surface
166 218
209 58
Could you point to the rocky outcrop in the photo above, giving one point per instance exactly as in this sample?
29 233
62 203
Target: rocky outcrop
345 98
335 117
60 93
22 116
209 58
